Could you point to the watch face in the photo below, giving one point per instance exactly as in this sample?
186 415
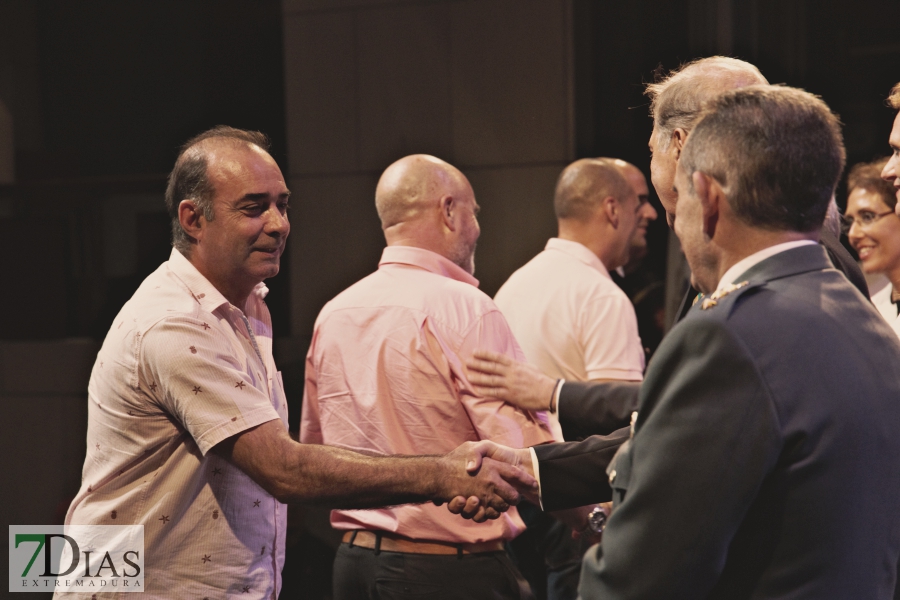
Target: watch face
597 519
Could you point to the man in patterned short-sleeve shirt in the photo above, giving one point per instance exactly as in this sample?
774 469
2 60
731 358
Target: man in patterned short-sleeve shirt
187 420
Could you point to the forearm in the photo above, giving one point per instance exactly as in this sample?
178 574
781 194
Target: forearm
314 474
341 478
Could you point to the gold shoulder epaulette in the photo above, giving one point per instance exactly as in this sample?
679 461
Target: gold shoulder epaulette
721 293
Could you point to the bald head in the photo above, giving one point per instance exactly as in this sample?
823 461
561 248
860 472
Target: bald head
677 99
596 207
427 203
413 184
583 185
634 177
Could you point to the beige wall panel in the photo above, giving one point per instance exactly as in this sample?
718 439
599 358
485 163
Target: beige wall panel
510 82
294 6
404 83
44 455
320 88
336 240
516 218
46 367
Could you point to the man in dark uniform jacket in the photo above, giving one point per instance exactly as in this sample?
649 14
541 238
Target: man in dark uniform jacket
764 459
676 101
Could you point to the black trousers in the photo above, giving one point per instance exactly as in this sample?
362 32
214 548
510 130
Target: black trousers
363 574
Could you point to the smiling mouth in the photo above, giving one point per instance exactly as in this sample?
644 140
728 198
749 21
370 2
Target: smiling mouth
864 252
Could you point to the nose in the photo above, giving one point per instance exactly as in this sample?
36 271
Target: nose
277 222
649 212
890 169
854 234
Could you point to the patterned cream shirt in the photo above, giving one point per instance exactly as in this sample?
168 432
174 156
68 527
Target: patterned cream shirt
182 369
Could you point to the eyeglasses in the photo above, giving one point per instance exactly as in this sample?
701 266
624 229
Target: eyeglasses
864 218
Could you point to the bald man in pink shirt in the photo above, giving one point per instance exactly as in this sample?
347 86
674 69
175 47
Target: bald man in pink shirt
385 374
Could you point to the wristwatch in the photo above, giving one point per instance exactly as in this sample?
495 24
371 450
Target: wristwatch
597 520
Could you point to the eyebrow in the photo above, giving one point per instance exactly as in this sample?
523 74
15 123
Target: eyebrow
259 196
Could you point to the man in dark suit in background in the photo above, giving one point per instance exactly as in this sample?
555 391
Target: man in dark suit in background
763 461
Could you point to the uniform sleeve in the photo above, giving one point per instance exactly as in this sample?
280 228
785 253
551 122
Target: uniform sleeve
707 436
195 374
494 419
608 335
596 408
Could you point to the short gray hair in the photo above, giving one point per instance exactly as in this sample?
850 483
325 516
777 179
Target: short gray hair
678 97
189 179
777 152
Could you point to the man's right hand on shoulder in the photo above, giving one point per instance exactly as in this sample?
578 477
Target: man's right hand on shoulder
498 376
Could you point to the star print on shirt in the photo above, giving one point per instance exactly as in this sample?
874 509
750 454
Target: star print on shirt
246 589
206 558
165 519
205 326
256 504
196 390
97 446
217 471
193 350
239 384
152 386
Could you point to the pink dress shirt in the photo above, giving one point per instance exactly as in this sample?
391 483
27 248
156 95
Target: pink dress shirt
385 373
180 370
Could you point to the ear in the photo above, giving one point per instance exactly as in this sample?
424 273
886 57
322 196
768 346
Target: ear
447 206
679 137
711 195
191 219
610 207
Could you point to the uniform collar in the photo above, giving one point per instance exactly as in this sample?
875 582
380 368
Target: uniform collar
204 292
745 264
425 259
578 251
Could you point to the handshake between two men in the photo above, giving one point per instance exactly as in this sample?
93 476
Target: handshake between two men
611 404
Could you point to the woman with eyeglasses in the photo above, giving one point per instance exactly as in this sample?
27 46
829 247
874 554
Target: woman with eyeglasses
873 229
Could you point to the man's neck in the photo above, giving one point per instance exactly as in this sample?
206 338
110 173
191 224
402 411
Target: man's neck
590 240
752 241
233 291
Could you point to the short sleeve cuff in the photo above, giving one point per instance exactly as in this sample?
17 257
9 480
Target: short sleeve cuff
234 425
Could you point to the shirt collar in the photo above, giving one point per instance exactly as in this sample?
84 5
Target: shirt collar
204 292
425 259
579 251
743 265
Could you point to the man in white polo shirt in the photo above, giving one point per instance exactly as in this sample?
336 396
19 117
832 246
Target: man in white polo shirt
569 317
573 322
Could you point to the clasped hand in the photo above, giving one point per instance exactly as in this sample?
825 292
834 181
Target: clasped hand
487 479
